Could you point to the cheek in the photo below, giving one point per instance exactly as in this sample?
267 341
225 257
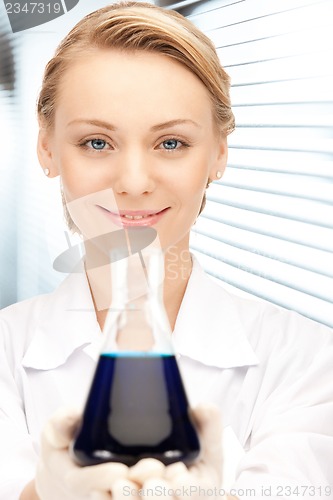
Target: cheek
74 186
193 173
78 177
190 196
193 185
88 217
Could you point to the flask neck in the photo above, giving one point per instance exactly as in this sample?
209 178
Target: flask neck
137 323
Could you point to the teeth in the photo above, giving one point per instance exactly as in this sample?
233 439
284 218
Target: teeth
136 217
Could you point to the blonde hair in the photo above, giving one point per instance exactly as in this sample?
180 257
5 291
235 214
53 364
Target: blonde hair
140 26
132 26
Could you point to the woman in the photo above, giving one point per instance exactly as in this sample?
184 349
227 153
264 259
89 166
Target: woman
134 114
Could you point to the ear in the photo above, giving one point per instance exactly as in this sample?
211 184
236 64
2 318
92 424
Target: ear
221 158
44 152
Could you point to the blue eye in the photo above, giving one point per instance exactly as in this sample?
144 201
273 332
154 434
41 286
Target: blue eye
171 144
98 144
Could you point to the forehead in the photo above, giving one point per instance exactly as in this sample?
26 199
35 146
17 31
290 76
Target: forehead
131 83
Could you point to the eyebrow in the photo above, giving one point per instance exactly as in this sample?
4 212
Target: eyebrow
172 123
97 123
154 128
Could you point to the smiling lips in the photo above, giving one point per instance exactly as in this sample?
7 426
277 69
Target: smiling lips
135 218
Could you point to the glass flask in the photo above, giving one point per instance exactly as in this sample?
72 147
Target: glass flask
137 405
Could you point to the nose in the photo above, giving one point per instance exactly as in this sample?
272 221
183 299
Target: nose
134 174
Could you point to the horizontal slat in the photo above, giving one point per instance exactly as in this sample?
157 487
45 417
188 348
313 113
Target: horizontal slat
271 26
285 139
171 4
294 163
298 67
285 115
278 51
298 186
202 6
298 255
287 15
311 212
207 6
11 151
307 282
276 48
309 306
312 90
278 227
6 96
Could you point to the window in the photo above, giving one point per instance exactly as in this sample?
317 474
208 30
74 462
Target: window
9 160
267 229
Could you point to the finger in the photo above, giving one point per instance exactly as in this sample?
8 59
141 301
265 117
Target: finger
154 488
60 428
184 485
83 480
145 469
43 482
59 463
174 470
209 424
188 482
205 476
123 489
208 420
99 495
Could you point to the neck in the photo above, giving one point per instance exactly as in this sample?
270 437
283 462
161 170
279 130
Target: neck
177 269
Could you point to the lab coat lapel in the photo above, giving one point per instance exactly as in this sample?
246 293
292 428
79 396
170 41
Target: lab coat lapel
67 322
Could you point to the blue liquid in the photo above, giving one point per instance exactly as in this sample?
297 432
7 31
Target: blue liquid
136 408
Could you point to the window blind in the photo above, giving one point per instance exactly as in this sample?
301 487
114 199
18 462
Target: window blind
267 229
9 160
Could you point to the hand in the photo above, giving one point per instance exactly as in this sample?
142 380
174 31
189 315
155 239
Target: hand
177 480
58 477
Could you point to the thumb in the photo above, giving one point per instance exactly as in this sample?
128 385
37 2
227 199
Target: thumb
61 427
208 420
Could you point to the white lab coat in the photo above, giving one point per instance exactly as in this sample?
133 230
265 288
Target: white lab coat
270 371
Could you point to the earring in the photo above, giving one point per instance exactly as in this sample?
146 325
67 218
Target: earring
218 174
46 171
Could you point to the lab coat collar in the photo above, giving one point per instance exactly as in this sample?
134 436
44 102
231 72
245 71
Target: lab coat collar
208 327
67 322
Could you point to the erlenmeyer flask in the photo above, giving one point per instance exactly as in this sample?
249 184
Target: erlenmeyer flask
137 406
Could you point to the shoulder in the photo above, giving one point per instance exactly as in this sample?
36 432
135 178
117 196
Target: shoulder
293 353
266 321
23 313
18 322
46 322
28 313
270 329
279 335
